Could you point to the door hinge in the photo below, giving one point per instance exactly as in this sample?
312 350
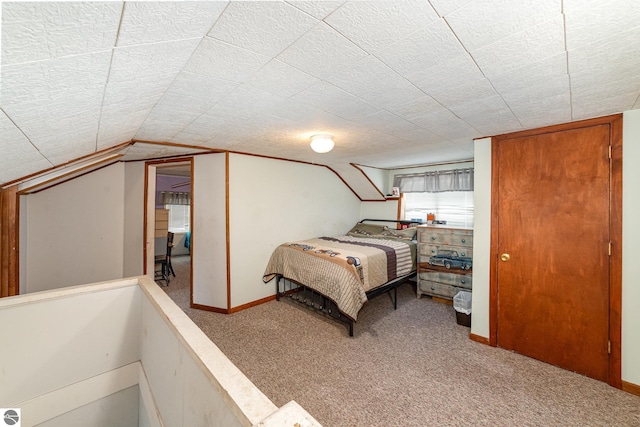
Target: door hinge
609 347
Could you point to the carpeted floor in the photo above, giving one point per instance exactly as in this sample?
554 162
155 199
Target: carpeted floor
410 367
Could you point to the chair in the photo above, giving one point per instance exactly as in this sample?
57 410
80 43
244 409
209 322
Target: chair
165 262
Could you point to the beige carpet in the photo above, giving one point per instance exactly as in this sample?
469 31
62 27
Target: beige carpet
410 367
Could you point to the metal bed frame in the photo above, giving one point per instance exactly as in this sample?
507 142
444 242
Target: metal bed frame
315 300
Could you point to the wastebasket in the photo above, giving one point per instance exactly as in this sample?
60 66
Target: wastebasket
462 306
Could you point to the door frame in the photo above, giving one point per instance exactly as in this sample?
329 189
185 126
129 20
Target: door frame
615 229
149 214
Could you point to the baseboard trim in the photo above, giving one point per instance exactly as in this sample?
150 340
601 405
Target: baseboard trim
478 338
234 309
631 388
252 304
209 308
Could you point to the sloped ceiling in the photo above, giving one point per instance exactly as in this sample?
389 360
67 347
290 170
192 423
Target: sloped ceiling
395 82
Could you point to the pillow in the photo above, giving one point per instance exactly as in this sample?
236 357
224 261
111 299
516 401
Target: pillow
406 234
366 230
372 230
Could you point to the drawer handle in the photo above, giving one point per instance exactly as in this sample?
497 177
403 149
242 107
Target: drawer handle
463 254
462 281
433 251
463 240
433 289
433 237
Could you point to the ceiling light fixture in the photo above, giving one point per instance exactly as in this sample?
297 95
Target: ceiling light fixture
322 143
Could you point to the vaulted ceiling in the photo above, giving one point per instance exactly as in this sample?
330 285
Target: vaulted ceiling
395 82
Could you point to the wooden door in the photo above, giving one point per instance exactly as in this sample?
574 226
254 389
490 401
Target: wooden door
553 236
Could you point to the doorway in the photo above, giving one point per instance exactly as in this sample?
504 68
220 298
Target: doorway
555 287
169 221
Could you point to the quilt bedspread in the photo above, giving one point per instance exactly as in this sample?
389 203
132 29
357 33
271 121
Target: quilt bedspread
342 268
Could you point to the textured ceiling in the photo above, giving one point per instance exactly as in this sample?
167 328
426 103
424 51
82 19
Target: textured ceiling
396 82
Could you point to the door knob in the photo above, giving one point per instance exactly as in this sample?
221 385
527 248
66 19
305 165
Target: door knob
505 257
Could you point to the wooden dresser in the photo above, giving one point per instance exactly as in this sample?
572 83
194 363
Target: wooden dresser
445 261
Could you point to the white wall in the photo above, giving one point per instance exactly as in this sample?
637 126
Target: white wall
133 218
380 210
630 248
275 201
121 353
208 237
91 228
379 177
63 339
481 237
75 231
201 387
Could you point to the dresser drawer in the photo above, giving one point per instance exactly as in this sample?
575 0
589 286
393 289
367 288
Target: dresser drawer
436 289
459 280
426 250
446 236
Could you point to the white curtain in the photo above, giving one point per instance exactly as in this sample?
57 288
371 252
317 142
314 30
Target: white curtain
174 198
435 181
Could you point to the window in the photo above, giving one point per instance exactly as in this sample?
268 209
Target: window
455 207
179 218
448 194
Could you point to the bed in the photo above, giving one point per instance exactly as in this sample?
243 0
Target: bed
338 275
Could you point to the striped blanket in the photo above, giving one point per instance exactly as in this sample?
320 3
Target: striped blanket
343 268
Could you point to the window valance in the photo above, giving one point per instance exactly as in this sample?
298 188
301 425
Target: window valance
174 198
435 181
